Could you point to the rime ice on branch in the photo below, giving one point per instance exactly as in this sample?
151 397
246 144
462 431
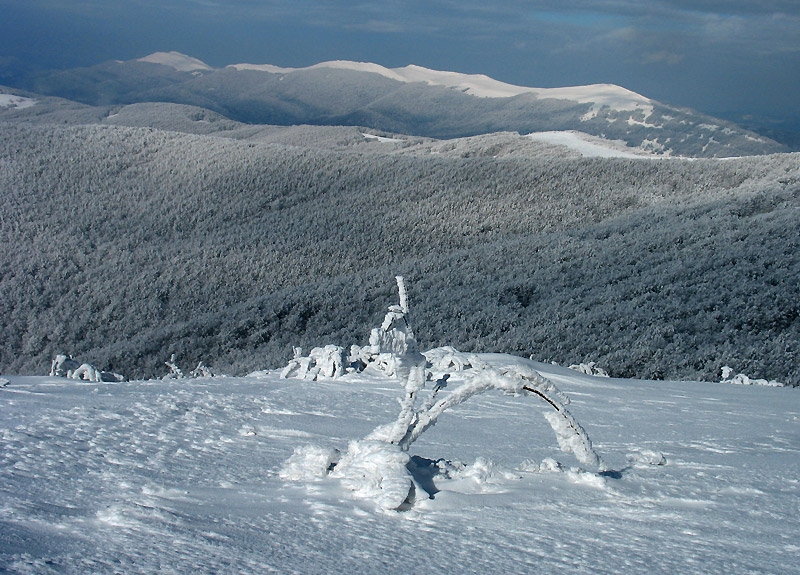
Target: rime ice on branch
65 366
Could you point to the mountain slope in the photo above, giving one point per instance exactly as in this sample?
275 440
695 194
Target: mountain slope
410 100
125 245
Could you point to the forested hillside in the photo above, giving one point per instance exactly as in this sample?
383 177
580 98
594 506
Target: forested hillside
125 245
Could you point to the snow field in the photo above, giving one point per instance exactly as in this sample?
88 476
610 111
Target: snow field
589 146
16 102
184 476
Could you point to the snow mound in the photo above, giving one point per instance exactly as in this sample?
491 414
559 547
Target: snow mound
309 462
176 60
484 471
647 457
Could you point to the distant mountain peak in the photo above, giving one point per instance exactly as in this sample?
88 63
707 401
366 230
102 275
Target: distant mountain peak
176 60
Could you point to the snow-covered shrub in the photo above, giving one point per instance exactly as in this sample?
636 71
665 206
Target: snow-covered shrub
174 371
202 370
322 361
449 359
392 349
589 369
742 379
63 365
66 366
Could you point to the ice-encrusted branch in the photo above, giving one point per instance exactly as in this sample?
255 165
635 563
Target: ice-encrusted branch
401 288
571 436
174 370
482 381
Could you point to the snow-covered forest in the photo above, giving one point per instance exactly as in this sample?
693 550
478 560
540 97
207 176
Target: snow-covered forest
123 246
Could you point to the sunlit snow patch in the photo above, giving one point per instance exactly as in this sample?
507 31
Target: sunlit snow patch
176 60
588 146
16 102
381 139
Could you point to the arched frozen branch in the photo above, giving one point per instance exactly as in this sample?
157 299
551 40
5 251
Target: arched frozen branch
571 436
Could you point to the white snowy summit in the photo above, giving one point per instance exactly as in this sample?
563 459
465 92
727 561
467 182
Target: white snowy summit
482 86
181 62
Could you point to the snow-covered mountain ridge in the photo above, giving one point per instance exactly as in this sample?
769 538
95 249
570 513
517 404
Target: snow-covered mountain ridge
410 100
480 85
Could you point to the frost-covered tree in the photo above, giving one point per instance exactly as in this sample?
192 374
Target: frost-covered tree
377 466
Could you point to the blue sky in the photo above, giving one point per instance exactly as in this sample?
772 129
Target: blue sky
715 56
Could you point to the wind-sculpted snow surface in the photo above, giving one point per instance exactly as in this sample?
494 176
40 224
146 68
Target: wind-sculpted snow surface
184 476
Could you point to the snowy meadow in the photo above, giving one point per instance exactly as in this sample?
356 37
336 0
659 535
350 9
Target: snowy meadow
183 476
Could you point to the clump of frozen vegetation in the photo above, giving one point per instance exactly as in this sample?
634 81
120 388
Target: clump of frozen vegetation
647 457
322 361
66 366
202 370
377 467
742 379
589 369
175 372
309 462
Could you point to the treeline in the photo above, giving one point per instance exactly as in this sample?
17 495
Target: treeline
123 246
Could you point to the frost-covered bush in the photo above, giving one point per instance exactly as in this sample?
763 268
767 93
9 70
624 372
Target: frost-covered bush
175 372
202 370
589 369
321 362
66 366
392 349
742 379
63 366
